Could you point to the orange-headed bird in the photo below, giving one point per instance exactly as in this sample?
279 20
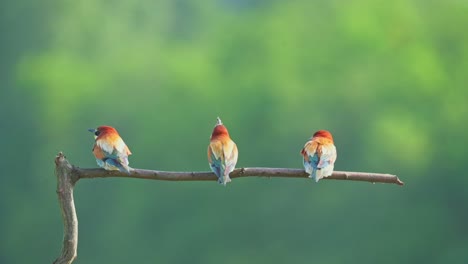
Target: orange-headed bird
110 150
222 153
319 155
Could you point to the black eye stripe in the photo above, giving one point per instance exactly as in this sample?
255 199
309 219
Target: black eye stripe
97 133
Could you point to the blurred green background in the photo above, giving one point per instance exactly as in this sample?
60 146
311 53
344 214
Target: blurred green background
388 78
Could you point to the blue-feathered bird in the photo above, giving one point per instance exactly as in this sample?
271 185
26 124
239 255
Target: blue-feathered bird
222 153
319 155
110 150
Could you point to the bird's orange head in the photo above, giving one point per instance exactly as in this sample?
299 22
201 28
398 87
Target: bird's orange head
103 131
219 129
324 134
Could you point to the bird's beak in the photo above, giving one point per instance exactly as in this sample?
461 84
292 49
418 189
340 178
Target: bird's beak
218 121
93 130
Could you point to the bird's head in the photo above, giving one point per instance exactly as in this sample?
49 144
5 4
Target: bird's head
219 129
324 134
102 130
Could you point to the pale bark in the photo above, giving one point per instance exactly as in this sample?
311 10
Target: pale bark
66 180
68 175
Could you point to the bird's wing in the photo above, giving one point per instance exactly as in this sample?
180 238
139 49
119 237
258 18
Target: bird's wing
121 151
114 145
309 152
106 146
327 155
216 147
119 145
127 150
231 155
216 157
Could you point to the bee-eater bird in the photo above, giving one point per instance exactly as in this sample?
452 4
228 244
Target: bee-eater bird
110 150
222 153
319 155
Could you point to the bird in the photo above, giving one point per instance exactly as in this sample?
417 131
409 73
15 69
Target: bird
110 150
222 153
319 154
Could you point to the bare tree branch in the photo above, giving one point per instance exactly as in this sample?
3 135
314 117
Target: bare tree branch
237 173
68 175
65 182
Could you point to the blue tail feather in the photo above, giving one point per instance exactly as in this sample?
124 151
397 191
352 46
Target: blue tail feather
313 175
117 164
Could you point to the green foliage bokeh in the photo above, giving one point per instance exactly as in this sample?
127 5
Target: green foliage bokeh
388 78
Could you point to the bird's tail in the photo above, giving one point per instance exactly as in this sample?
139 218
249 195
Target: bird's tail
224 179
318 174
121 167
126 169
313 175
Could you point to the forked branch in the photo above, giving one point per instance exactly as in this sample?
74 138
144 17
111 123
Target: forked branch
68 175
